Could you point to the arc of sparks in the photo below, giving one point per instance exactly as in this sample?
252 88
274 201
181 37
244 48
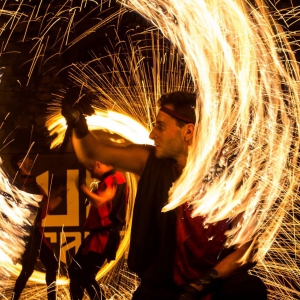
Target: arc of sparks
247 80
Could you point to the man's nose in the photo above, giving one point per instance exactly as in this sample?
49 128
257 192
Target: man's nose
152 135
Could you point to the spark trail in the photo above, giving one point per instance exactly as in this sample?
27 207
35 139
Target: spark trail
99 77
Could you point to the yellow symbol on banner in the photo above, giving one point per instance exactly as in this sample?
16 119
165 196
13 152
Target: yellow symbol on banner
72 216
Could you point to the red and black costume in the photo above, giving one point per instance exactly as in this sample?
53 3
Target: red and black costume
170 249
37 245
104 224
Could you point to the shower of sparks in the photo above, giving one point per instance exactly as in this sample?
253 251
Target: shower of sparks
114 278
57 22
17 213
126 108
18 210
252 112
248 98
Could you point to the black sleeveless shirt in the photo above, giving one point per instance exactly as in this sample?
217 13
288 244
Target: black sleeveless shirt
153 235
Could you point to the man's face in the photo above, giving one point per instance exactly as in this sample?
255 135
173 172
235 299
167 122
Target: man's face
168 136
97 171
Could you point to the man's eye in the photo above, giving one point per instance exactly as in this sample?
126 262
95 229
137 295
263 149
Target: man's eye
159 127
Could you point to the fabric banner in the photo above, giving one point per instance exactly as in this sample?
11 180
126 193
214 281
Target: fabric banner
63 226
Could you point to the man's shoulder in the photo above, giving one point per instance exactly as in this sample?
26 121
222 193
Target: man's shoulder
159 168
119 176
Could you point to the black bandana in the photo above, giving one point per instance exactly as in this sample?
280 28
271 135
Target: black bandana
176 115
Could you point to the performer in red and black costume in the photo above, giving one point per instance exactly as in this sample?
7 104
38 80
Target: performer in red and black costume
104 222
37 245
177 257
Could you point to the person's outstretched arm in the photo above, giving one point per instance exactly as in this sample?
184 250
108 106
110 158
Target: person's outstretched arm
88 148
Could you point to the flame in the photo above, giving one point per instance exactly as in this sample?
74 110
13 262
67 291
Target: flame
110 121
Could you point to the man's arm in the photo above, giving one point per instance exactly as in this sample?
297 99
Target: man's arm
101 196
232 263
88 149
225 268
228 266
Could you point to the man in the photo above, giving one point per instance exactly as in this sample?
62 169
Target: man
105 220
37 245
166 248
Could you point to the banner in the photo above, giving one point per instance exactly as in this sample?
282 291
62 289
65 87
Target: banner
63 226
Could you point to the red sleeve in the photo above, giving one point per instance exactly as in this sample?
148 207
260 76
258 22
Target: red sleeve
110 181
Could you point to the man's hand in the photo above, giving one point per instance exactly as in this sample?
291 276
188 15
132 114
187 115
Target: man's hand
74 104
97 199
71 114
75 120
74 111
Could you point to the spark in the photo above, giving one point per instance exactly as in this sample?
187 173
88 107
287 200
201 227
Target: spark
63 19
134 132
124 80
239 95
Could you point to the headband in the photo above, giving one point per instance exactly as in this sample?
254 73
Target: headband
176 115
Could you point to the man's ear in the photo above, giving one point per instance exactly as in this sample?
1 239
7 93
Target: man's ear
189 132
